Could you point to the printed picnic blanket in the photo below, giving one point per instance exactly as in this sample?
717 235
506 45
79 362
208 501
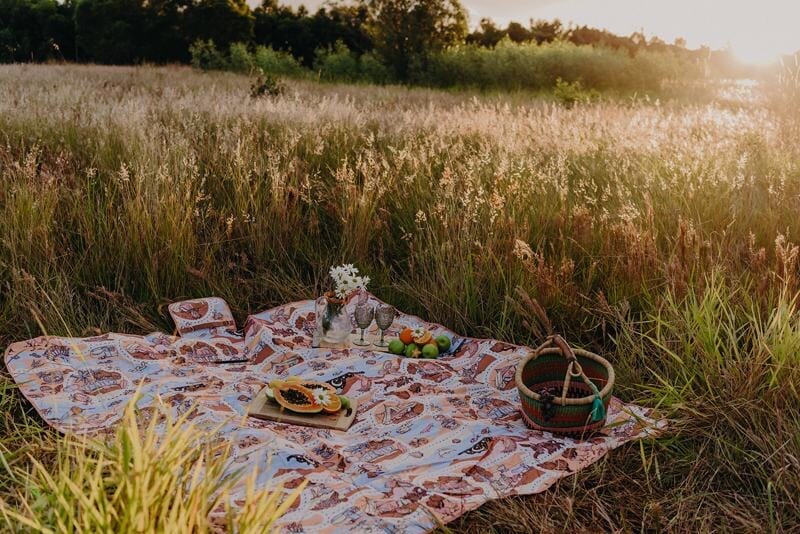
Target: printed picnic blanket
432 439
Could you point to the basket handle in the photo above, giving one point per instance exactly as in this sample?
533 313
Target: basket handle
565 349
574 369
561 344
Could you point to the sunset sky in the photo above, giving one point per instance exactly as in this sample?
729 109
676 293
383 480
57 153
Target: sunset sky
757 30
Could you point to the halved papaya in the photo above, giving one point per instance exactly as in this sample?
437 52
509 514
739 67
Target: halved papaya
296 398
314 384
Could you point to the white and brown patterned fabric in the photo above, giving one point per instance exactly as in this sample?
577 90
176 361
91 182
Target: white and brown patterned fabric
432 438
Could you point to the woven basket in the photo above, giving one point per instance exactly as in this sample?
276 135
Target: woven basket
555 367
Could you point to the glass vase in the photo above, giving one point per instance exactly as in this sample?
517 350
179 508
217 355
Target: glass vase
334 319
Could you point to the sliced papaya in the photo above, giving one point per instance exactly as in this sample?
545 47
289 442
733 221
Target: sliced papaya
275 384
314 384
296 398
278 382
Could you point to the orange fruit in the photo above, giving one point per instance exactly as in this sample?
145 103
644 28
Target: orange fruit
332 406
406 336
424 339
325 395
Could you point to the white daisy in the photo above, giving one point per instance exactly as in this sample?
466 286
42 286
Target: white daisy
322 396
346 279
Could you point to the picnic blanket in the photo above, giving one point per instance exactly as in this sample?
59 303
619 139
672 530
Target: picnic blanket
432 439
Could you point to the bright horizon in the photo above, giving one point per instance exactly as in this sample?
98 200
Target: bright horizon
757 32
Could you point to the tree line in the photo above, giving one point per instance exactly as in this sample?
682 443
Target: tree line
402 34
161 31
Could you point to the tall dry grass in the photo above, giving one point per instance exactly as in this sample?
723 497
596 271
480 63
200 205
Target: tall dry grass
662 234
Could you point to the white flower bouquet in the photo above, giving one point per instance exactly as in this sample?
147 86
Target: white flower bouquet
346 281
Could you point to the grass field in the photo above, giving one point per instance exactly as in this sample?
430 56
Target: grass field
661 234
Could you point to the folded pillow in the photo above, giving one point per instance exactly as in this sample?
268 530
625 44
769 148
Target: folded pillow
201 317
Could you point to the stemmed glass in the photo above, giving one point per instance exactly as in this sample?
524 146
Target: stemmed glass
364 314
384 317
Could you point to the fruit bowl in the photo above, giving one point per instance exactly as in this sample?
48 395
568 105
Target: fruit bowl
418 342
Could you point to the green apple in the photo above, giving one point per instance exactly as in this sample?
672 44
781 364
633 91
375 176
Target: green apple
443 342
396 346
430 351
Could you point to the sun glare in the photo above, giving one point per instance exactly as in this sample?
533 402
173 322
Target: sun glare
760 48
757 32
756 54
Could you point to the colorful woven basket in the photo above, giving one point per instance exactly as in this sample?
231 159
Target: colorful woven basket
564 391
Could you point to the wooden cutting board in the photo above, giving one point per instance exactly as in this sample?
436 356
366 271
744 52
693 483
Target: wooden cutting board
262 408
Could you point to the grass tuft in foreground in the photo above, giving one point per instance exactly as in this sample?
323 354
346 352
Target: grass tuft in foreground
164 475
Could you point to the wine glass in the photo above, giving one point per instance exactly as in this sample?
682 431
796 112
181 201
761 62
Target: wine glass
364 314
384 317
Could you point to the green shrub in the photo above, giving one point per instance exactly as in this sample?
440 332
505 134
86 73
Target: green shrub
277 62
373 70
340 64
337 63
507 66
205 56
571 93
531 66
240 59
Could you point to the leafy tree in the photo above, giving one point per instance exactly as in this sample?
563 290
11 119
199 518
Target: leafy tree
222 21
543 31
109 31
585 35
36 30
345 24
282 28
487 34
518 33
406 32
165 29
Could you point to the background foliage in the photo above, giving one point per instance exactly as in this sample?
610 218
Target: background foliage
379 41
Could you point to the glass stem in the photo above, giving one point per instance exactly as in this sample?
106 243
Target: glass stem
382 331
362 336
